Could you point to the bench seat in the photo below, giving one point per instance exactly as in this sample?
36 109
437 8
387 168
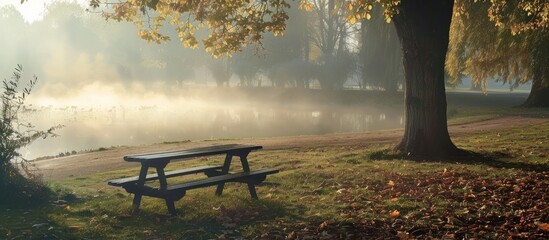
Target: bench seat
181 172
177 191
256 177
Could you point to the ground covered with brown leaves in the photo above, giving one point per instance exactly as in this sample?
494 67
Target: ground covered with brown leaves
449 205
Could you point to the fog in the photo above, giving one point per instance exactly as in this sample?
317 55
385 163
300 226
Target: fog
109 88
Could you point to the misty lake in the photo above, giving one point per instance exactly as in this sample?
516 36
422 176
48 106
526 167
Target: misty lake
89 128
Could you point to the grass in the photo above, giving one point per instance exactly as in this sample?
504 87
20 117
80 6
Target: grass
323 191
465 114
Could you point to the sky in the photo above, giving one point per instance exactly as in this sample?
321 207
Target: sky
33 10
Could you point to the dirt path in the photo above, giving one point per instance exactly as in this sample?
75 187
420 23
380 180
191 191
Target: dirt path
94 162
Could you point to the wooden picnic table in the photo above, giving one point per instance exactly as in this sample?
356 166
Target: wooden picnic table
217 175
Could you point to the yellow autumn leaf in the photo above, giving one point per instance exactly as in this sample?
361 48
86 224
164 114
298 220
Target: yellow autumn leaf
352 19
306 6
390 183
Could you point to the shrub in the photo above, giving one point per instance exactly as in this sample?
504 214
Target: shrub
17 182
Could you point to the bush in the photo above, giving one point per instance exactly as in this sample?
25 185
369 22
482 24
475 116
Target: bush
17 182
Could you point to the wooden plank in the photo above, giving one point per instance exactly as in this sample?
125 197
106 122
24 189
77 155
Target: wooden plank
191 153
211 181
175 173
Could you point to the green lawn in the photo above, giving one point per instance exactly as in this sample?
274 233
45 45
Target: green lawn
323 193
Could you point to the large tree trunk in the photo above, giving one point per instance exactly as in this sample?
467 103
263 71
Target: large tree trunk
539 94
423 29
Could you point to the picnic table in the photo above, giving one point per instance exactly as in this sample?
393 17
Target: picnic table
216 175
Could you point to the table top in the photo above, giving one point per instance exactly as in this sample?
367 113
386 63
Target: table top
191 153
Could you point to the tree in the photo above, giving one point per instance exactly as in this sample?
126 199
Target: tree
482 50
422 27
330 36
423 30
221 71
380 54
246 65
294 48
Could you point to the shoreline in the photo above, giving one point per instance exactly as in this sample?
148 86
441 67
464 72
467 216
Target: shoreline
111 159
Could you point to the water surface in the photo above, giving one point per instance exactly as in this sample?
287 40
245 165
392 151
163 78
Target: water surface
89 128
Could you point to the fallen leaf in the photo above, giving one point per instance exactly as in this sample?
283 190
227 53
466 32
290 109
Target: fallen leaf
291 236
391 183
403 235
394 213
222 237
544 227
394 199
323 225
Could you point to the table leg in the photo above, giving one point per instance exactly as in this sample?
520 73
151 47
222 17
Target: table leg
140 182
163 186
244 161
162 178
246 168
225 170
253 193
171 206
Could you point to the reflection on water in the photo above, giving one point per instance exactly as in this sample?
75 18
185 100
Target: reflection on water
92 128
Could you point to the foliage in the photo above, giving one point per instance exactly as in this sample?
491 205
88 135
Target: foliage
231 23
527 15
507 49
380 54
15 135
519 16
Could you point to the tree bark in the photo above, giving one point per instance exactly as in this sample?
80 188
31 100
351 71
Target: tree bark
423 29
539 94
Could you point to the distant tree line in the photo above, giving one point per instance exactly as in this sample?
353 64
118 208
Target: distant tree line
319 49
